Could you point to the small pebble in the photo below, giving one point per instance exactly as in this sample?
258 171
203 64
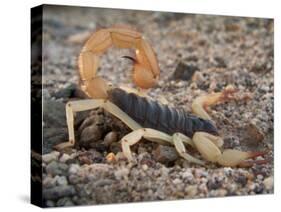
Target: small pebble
191 190
56 168
122 173
49 182
187 175
268 183
90 134
50 203
165 154
177 181
259 177
64 158
74 168
61 180
184 71
144 167
47 158
58 191
66 201
110 138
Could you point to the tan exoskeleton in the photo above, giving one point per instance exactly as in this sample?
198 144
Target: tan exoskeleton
147 118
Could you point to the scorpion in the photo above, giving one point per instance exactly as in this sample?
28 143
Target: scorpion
147 118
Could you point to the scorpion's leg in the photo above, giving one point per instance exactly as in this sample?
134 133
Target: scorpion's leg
179 140
157 136
82 105
71 108
147 133
201 103
208 146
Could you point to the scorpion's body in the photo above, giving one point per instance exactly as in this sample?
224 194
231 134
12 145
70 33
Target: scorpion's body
147 118
152 114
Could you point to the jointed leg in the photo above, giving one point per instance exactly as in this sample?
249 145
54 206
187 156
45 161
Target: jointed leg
71 108
179 145
201 103
147 133
82 105
178 140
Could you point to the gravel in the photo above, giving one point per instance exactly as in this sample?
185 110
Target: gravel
210 53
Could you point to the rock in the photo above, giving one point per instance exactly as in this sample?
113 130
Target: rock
221 192
58 192
144 167
96 156
110 138
75 179
55 168
50 203
251 185
184 71
90 135
66 93
47 158
164 18
54 114
200 173
231 141
165 154
191 190
54 119
66 201
84 159
187 175
73 169
115 148
120 156
241 179
254 133
228 171
45 94
214 183
147 162
53 136
268 183
198 77
49 182
232 27
100 168
259 189
103 182
55 127
220 62
71 91
89 157
61 180
259 68
260 177
122 173
260 170
164 171
64 158
177 181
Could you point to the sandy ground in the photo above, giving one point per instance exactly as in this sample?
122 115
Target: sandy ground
218 51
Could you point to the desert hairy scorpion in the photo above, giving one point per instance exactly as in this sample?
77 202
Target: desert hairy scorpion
147 118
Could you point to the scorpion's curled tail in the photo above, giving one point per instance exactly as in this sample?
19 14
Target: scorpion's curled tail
145 71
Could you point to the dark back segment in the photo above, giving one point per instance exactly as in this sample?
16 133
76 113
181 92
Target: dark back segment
151 114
